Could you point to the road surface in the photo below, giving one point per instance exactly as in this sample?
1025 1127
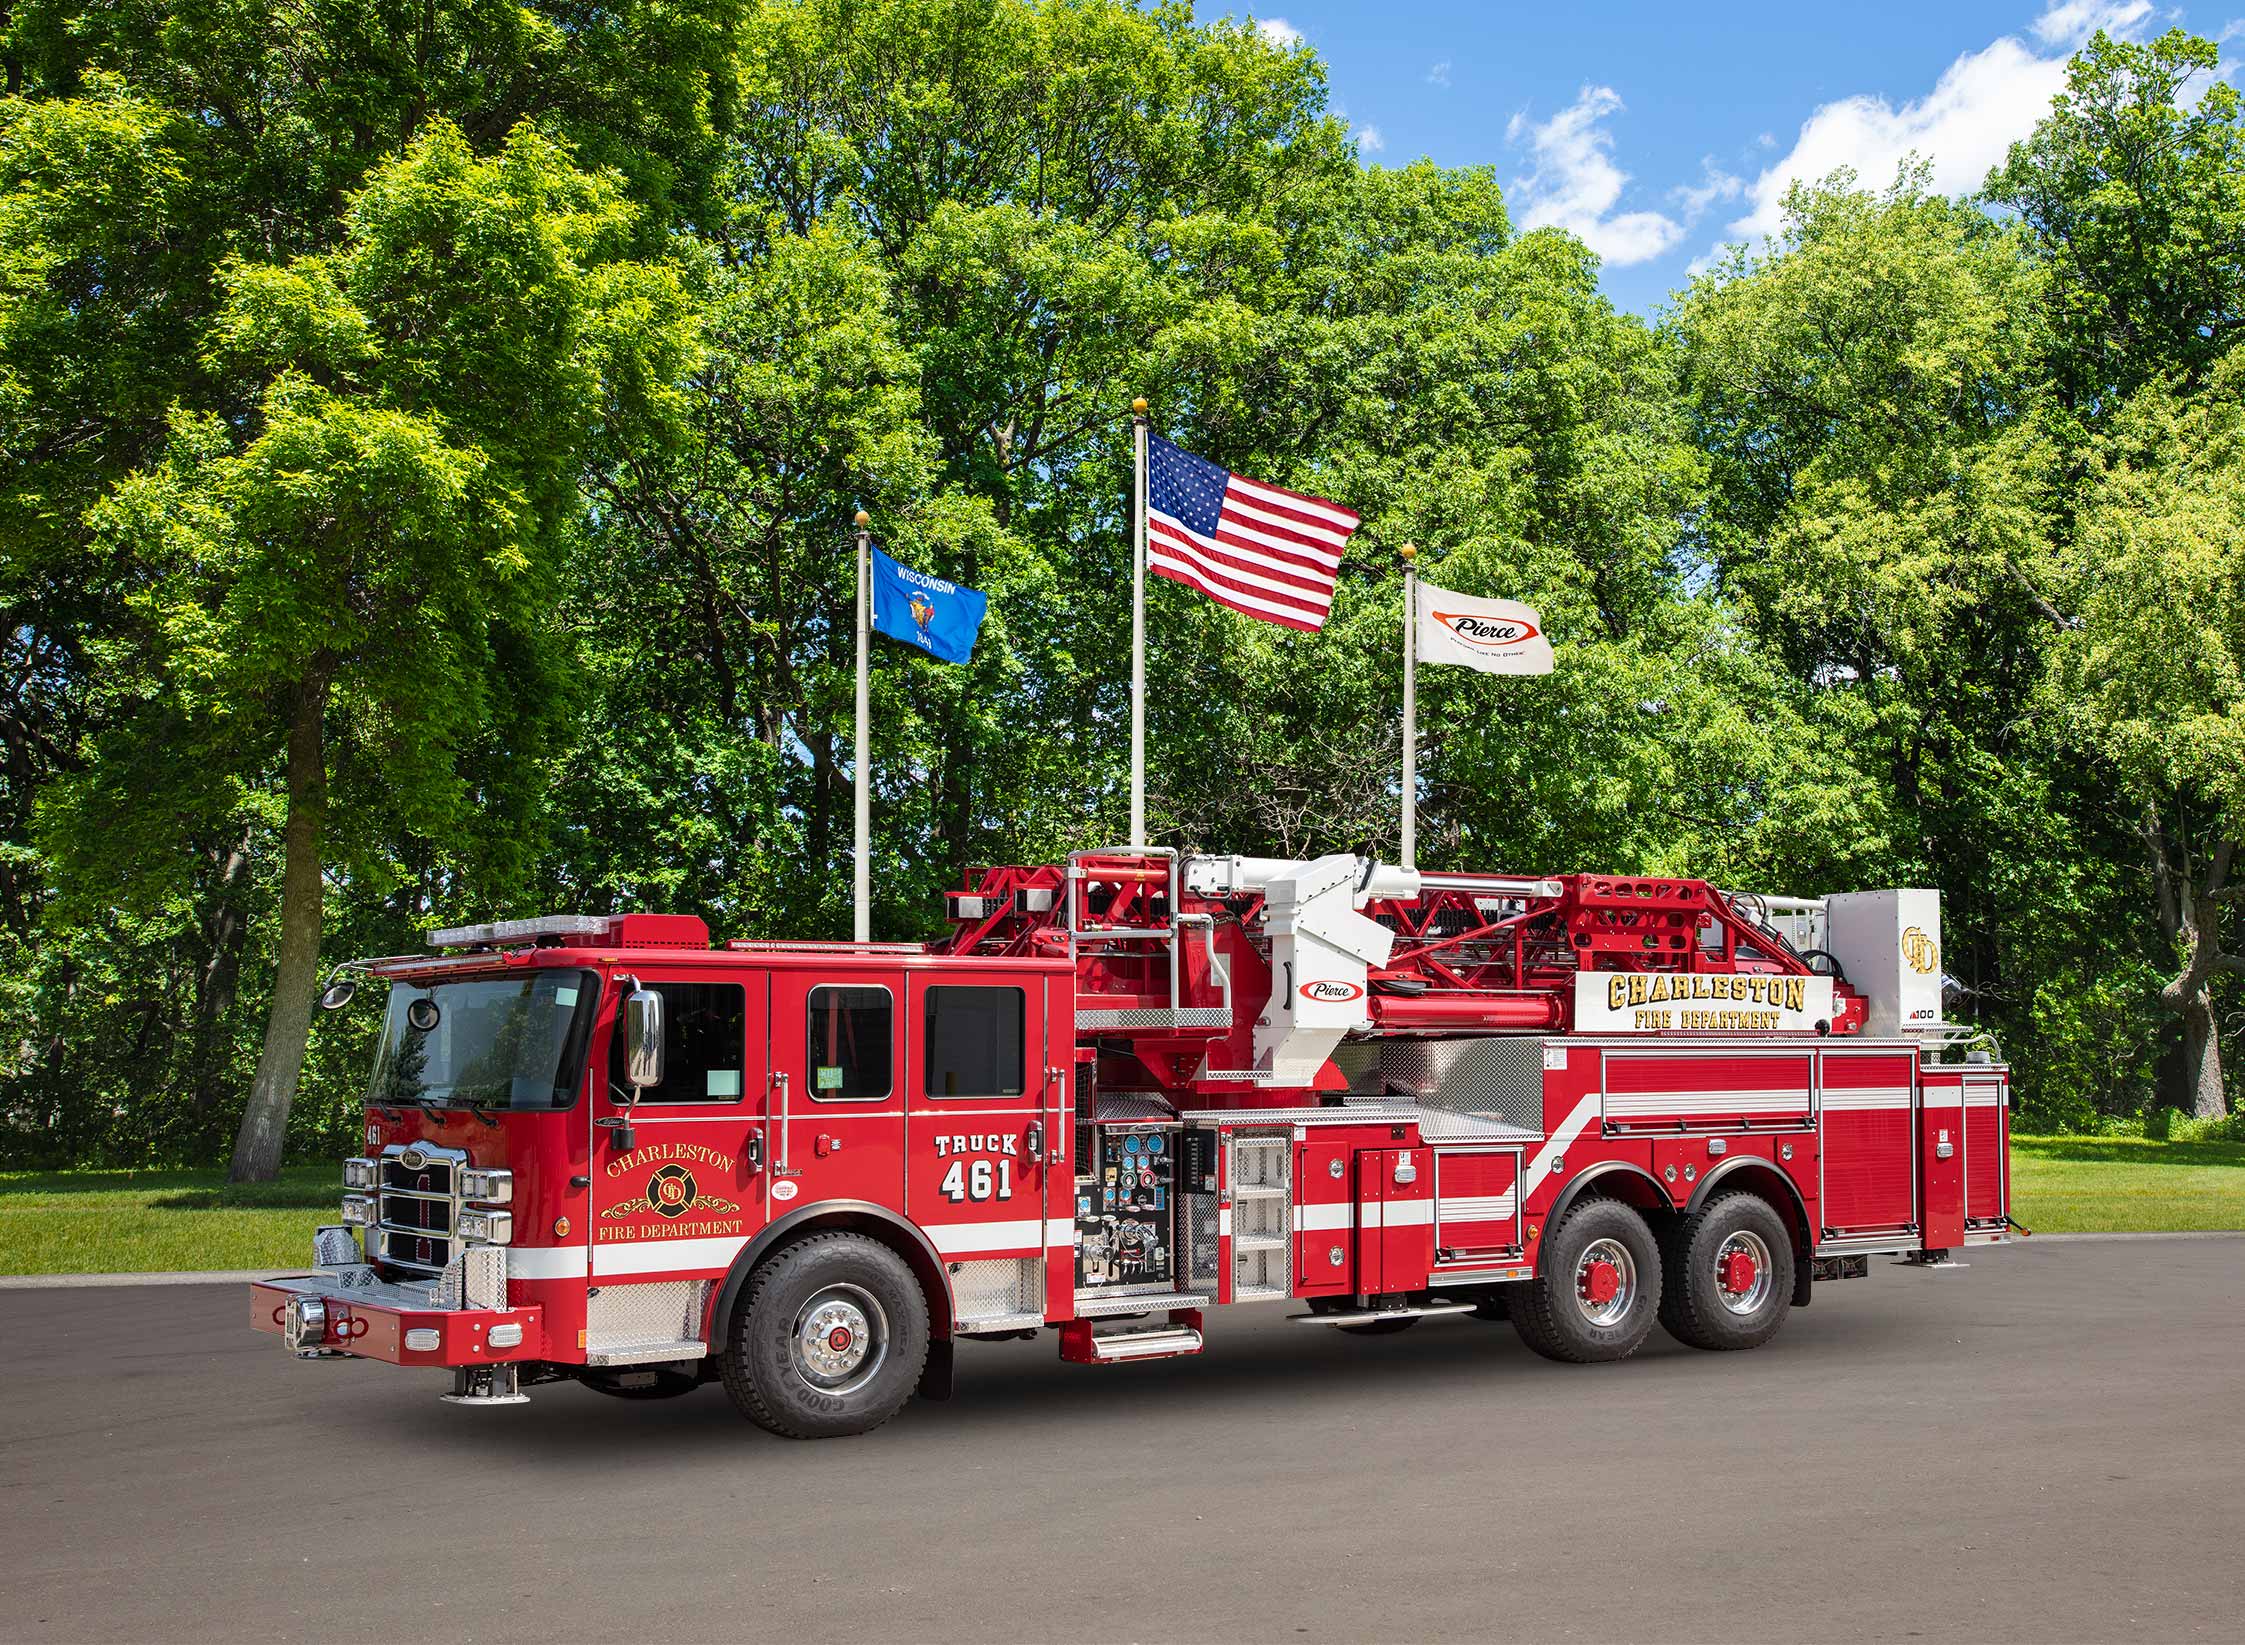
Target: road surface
2044 1446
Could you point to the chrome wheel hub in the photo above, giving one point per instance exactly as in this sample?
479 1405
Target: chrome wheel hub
1742 1272
1606 1282
841 1338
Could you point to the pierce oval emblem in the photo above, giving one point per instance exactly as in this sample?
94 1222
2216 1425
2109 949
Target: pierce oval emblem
1489 632
783 1190
413 1159
1327 991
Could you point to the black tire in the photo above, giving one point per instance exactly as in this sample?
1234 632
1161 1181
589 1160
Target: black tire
1559 1322
622 1384
1698 1305
870 1296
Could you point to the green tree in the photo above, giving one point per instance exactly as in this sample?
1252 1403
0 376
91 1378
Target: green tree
2150 681
2134 189
359 569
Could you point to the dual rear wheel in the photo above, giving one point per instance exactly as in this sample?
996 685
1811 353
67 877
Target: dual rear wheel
1722 1279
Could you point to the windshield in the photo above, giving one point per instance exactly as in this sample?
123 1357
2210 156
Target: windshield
499 1042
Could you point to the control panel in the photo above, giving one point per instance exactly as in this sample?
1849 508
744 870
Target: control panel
1126 1204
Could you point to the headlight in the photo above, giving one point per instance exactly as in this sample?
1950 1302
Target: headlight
359 1209
361 1173
492 1187
487 1227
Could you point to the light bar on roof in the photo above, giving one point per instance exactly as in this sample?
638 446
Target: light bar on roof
498 932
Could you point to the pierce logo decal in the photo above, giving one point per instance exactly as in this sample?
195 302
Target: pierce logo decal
1488 633
1326 991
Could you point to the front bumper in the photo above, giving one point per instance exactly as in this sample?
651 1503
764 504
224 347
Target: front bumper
397 1323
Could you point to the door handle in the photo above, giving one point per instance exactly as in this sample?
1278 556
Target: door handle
754 1150
1037 1140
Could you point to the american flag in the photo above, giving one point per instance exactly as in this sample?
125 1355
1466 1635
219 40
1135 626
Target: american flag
1260 549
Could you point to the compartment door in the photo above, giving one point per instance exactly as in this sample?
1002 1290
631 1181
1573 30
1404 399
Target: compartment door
1986 1144
1476 1204
1941 1160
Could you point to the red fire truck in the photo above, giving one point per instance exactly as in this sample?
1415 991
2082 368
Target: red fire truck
1127 1090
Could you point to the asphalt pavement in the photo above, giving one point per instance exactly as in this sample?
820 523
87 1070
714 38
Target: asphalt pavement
2045 1445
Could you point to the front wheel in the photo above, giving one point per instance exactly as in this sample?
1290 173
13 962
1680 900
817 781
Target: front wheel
1597 1286
1730 1277
831 1339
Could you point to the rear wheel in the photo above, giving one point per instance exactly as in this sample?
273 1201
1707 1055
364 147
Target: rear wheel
830 1340
1597 1286
1730 1275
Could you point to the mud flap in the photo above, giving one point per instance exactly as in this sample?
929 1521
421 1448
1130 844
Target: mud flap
935 1376
1803 1275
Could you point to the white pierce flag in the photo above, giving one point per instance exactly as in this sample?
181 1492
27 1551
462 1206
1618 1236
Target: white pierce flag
1494 636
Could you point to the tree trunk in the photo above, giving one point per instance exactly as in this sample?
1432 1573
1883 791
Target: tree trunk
2202 1056
288 1021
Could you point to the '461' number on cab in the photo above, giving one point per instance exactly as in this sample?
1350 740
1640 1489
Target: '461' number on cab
978 1179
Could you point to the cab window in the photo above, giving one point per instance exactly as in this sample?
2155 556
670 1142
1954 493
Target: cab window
705 1043
846 1044
973 1038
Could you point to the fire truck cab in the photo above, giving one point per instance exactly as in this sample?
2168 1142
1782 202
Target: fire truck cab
1128 1090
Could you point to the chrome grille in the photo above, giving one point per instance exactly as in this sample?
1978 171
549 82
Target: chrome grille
418 1207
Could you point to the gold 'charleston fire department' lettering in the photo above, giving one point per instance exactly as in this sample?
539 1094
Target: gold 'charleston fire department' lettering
1634 988
666 1153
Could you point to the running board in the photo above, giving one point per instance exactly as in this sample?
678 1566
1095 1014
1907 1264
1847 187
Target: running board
645 1353
1081 1343
1144 1302
1372 1316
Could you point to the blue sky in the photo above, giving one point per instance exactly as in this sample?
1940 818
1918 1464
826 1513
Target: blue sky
1658 132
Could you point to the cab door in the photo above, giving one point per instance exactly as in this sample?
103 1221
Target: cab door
835 1098
676 1206
987 1100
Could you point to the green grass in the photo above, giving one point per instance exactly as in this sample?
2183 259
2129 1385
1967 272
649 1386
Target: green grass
136 1222
2083 1185
125 1222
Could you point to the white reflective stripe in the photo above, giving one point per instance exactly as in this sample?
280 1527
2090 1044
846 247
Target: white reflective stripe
1312 1218
657 1256
1880 1096
1371 1214
953 1238
1944 1096
1223 1221
1407 1213
545 1262
1560 1140
1984 1096
1059 1231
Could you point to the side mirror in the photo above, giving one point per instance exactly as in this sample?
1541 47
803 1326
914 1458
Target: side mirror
337 994
643 1039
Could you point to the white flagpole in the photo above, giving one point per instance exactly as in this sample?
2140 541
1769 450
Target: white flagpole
1410 843
1138 633
863 869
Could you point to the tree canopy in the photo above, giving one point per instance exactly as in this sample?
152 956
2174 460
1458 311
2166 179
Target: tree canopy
428 440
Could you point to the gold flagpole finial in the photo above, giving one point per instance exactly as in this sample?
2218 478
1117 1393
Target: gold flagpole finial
1407 553
1138 407
863 519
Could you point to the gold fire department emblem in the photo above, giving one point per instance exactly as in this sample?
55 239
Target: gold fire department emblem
672 1192
1921 951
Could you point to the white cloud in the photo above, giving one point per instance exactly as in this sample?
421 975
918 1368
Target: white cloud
1279 32
1575 185
1370 140
1439 75
1714 184
1983 103
2069 22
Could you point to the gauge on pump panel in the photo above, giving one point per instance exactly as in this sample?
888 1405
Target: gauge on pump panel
1155 1144
1130 1145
